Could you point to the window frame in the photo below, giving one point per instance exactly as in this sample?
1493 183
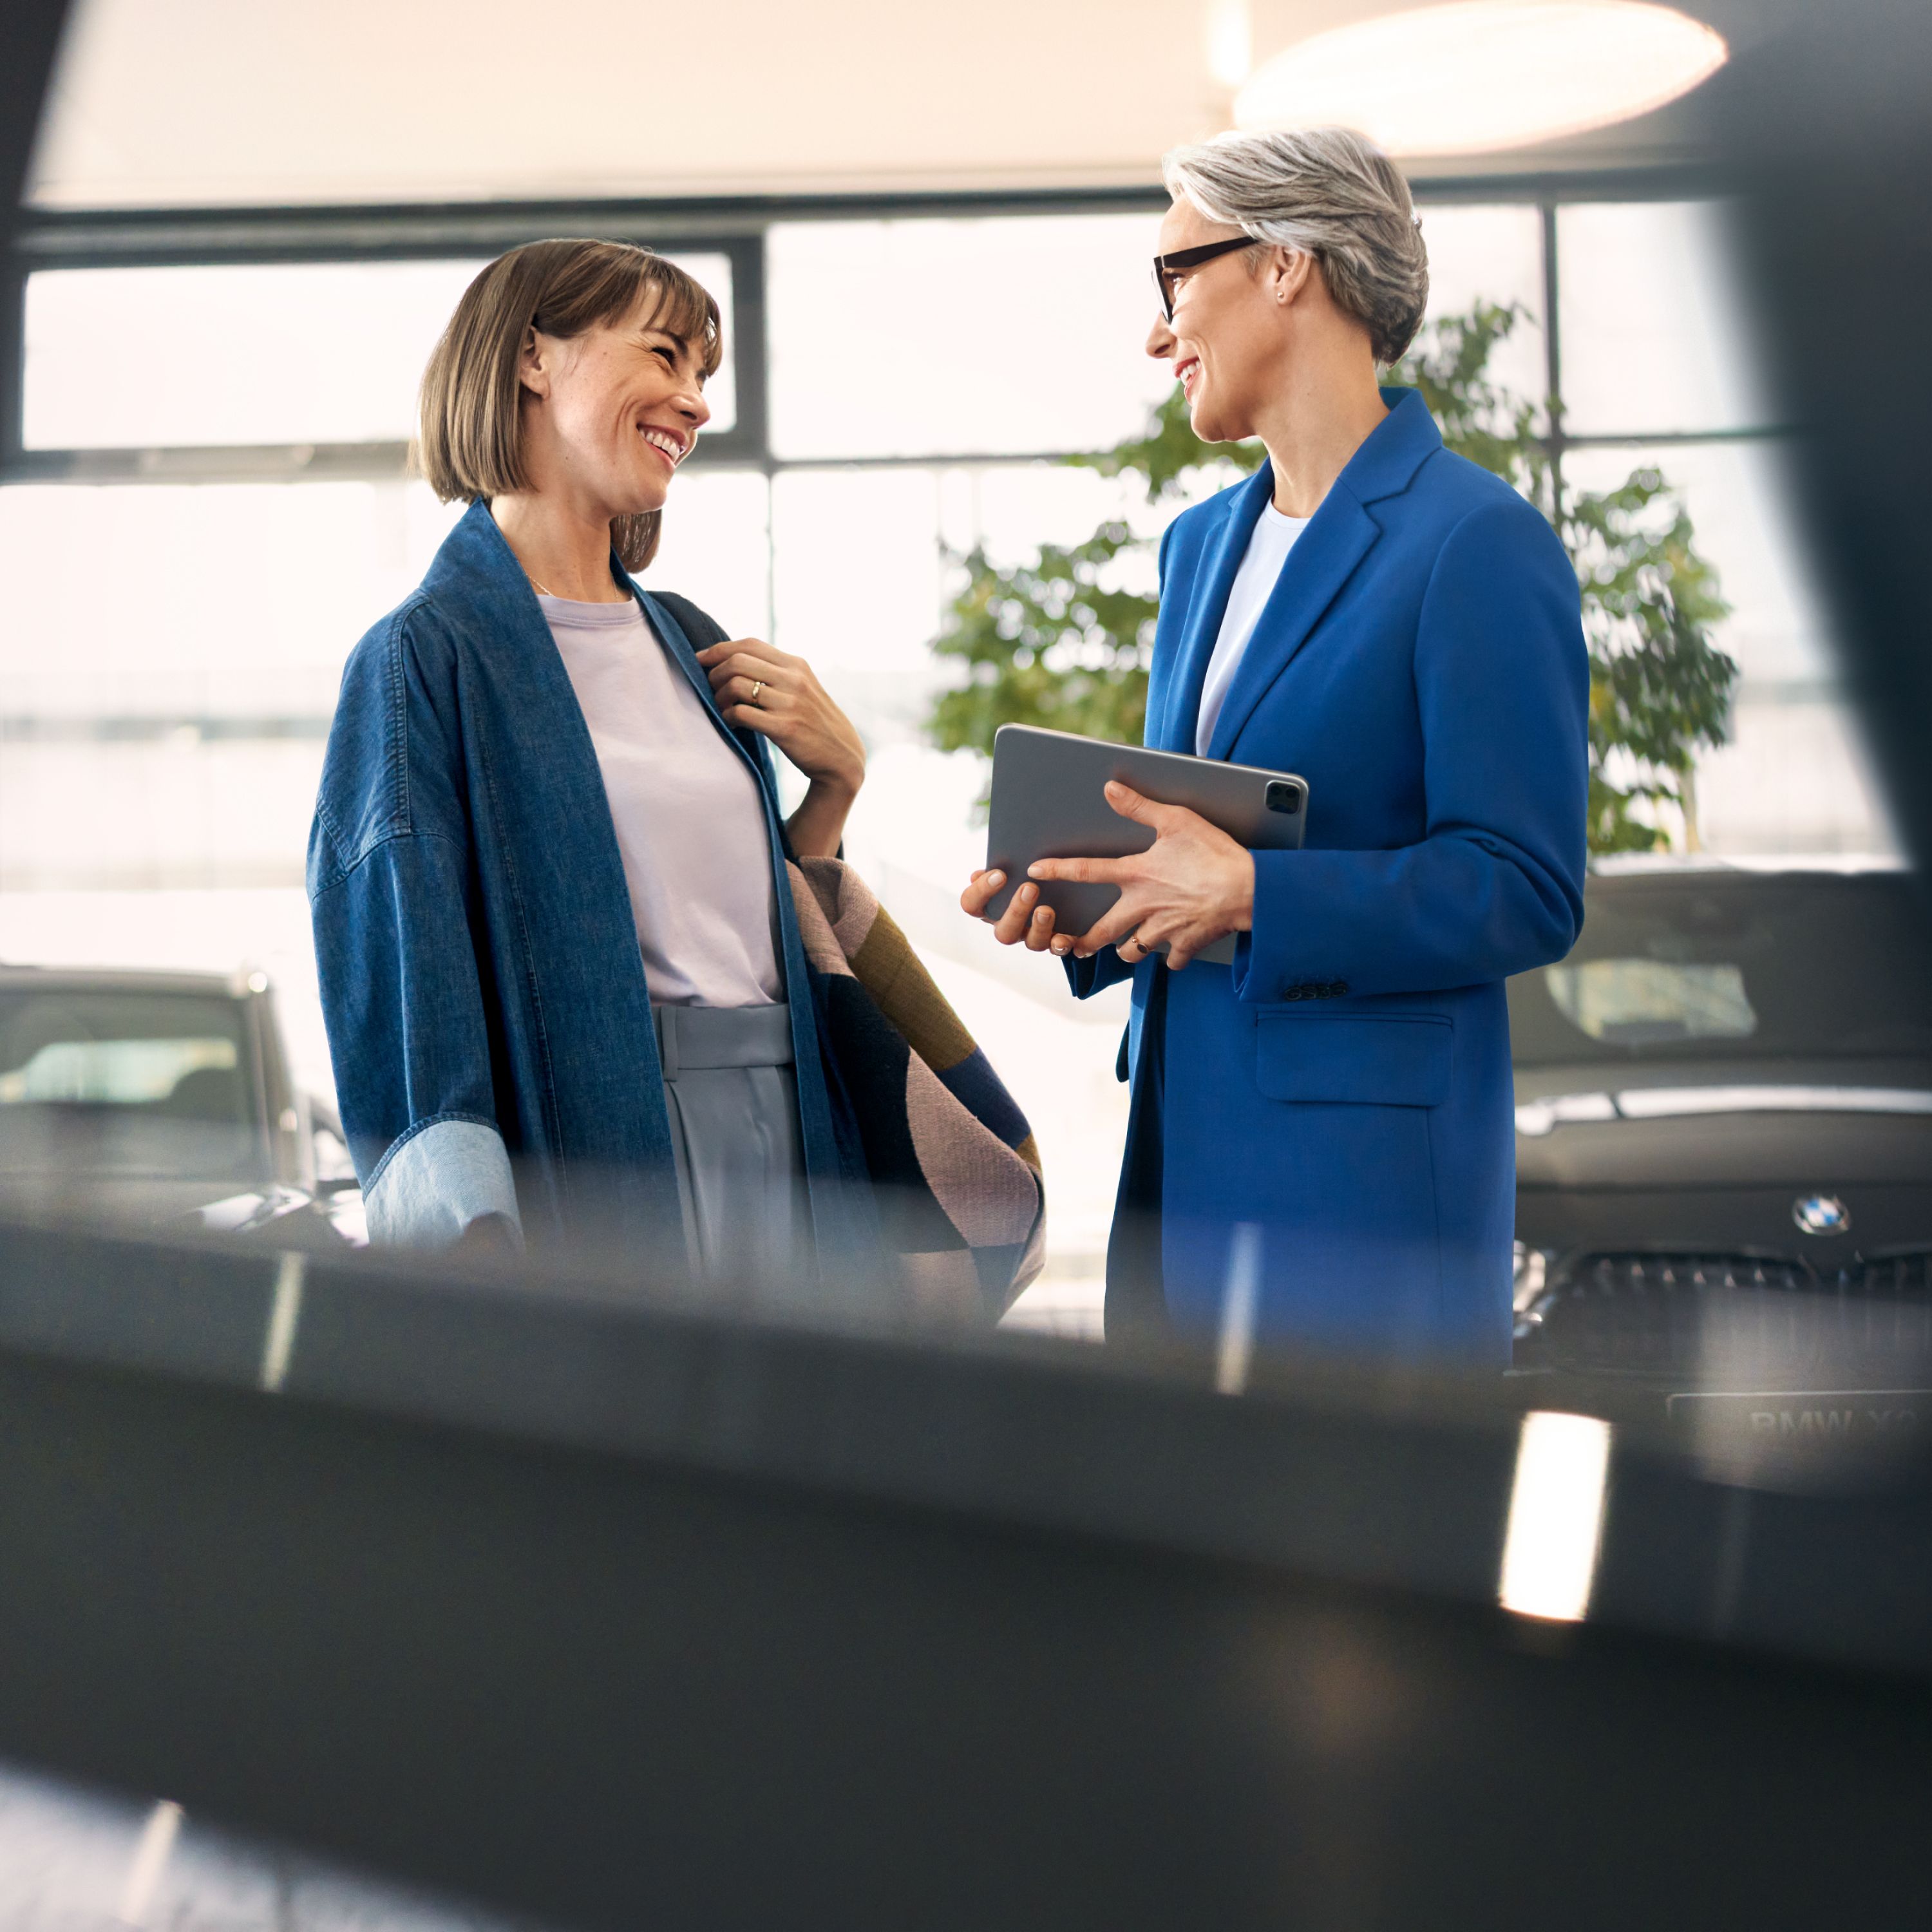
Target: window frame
735 227
145 239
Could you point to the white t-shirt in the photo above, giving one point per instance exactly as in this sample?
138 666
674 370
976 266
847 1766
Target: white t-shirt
691 823
1274 537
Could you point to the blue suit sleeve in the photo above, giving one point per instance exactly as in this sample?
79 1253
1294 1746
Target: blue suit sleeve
1495 886
401 991
1089 976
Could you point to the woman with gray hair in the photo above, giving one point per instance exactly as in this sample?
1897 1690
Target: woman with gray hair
1330 1117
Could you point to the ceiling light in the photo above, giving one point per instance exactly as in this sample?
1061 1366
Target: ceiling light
1230 42
1475 76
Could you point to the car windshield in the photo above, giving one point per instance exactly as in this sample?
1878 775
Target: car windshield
1733 966
107 1083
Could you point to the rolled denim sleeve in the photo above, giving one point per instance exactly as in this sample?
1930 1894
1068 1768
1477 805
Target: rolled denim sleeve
436 1181
402 994
409 1043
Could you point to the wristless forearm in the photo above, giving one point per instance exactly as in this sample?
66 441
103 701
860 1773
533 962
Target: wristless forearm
818 825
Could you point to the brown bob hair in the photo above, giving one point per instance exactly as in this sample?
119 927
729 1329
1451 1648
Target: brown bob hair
470 443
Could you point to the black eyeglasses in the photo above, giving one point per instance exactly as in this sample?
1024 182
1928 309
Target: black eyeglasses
1166 267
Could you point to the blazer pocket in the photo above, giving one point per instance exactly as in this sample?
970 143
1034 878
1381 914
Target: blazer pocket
1386 1061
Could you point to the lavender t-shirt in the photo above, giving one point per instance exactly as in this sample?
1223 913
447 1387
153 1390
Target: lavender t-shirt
691 824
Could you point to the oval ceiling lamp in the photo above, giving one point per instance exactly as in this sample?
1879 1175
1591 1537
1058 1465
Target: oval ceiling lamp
1475 76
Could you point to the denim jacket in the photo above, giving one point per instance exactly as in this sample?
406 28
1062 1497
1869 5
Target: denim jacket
488 1015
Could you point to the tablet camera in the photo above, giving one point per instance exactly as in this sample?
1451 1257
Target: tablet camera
1282 797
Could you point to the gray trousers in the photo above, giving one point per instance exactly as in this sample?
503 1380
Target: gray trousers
732 1092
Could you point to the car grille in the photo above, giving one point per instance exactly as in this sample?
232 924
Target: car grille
1896 1274
1689 1313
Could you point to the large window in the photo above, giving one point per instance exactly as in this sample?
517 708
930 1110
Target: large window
240 356
1653 362
207 501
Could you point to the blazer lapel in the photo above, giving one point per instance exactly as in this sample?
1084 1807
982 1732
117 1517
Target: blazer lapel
1220 562
1341 533
1324 558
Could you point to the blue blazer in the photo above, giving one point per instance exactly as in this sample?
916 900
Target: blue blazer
488 1015
1344 1087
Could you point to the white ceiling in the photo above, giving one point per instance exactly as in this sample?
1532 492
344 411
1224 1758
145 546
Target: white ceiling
197 101
201 102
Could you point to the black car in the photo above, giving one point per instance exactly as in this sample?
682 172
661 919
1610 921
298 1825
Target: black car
1724 1142
160 1099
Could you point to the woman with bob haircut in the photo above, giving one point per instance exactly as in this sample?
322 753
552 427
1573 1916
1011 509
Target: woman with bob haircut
1332 1115
560 965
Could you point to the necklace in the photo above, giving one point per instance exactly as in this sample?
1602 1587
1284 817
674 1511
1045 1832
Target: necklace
541 589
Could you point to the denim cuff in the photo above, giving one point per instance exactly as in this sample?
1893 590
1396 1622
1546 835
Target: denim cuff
432 1184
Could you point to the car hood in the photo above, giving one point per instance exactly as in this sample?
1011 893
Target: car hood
146 1201
1702 1158
143 1200
1789 1124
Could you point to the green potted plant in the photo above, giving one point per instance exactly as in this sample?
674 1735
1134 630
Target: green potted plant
1063 639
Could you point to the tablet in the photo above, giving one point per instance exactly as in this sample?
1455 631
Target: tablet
1049 803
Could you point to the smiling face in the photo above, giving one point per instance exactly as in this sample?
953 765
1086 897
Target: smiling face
609 414
1226 341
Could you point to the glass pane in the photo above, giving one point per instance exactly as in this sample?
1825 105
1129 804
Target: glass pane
1007 334
1016 508
113 1049
1794 777
716 547
941 380
1729 964
157 775
152 358
1640 1002
1652 336
137 1084
856 555
1745 524
271 644
1492 254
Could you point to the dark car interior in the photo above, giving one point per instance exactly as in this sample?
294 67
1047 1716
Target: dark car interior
1721 964
126 1084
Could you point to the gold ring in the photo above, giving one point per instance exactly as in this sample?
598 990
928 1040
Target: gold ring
757 685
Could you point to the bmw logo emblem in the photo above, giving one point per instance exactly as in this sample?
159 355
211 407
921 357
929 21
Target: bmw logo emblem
1821 1214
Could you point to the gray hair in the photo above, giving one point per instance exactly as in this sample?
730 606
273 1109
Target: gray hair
1327 192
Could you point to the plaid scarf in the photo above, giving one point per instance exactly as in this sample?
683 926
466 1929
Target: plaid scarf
957 1176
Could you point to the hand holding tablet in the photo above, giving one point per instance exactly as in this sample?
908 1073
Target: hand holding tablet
1091 844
